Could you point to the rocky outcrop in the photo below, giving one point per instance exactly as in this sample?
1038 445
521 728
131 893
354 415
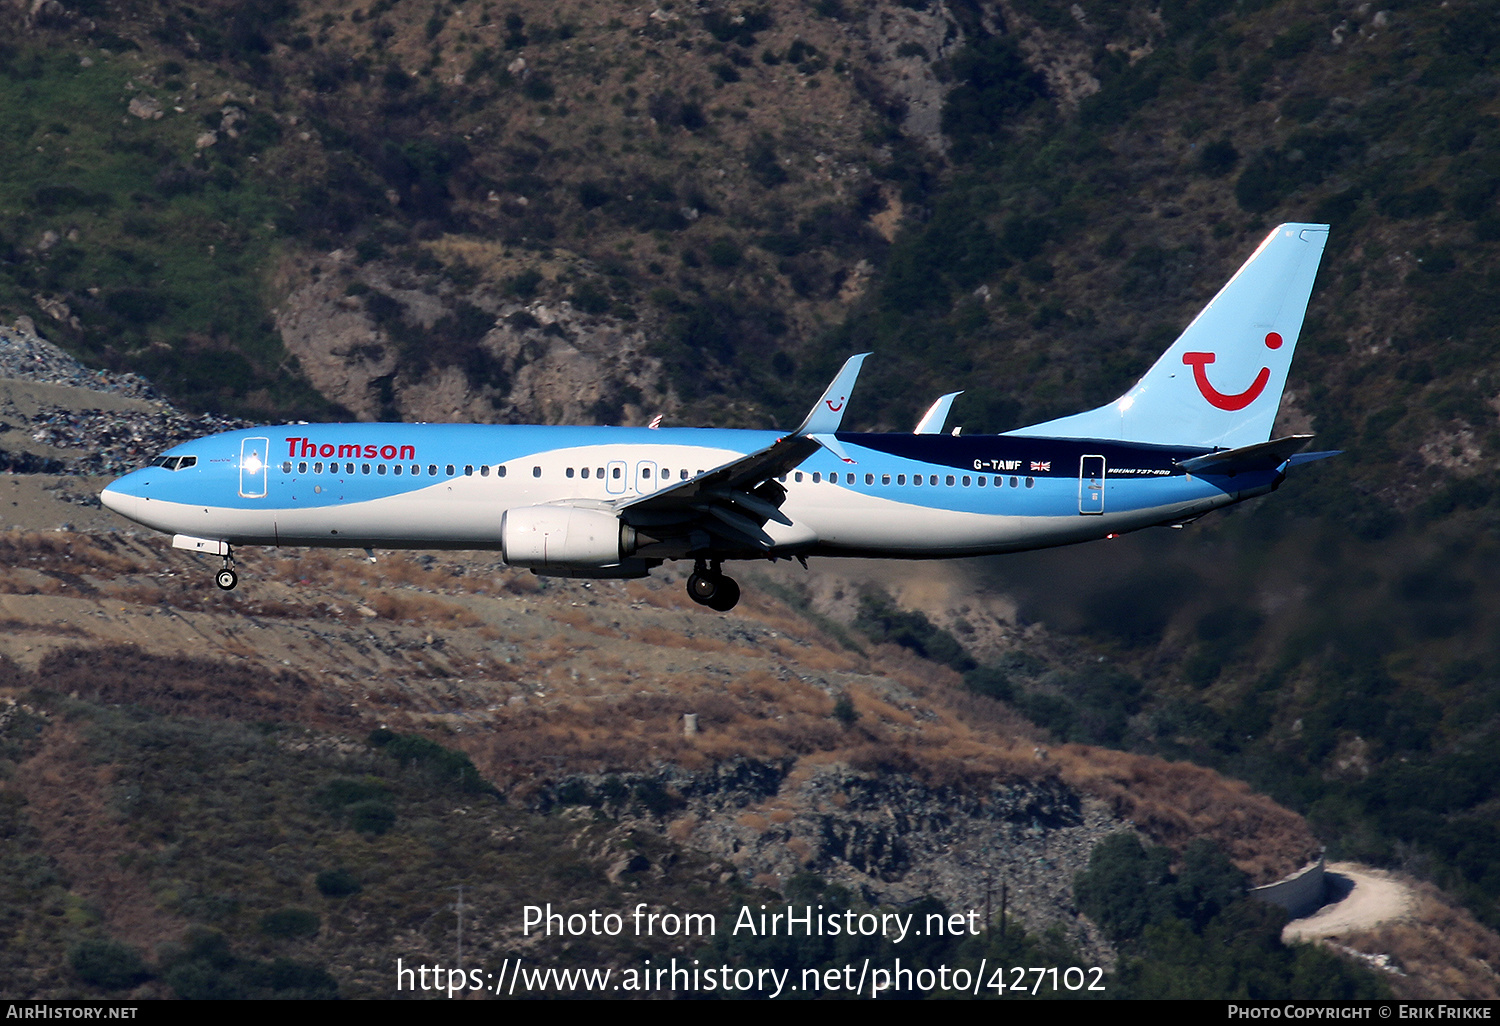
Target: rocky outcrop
543 362
888 837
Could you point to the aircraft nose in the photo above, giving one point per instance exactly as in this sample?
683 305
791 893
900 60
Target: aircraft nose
121 498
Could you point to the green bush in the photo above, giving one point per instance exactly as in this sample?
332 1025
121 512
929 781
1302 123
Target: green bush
372 817
290 923
338 883
107 964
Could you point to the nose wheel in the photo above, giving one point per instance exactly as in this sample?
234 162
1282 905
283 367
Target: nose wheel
708 586
226 578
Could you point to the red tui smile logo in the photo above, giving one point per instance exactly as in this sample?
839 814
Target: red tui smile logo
1236 401
835 409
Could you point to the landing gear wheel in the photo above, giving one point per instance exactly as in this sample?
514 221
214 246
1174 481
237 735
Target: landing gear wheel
226 579
725 596
702 587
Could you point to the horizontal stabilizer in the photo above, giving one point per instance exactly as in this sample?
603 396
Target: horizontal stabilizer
1261 456
1312 457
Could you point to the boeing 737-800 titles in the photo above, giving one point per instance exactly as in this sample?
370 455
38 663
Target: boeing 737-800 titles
1193 435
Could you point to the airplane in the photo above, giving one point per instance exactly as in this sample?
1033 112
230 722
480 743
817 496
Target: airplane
1191 436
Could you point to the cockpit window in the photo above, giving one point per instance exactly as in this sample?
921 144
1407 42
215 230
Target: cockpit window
174 462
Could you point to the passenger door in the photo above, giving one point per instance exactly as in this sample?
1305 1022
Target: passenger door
1091 485
254 453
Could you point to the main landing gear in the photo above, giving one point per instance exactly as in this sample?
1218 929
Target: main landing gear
709 587
226 578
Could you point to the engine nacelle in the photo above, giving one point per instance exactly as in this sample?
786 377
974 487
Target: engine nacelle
561 536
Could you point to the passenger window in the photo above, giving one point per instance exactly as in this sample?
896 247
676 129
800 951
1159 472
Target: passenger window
851 479
468 470
885 479
536 471
302 468
599 473
817 477
484 470
966 481
364 468
450 469
500 471
950 480
901 479
286 468
797 476
396 470
1012 482
933 481
782 479
380 469
615 473
585 473
416 470
916 479
432 470
1030 482
568 473
317 468
980 481
869 479
645 471
682 474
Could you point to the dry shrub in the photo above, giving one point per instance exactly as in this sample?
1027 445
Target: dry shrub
1174 802
1444 952
421 608
64 550
664 597
802 851
753 821
659 637
682 829
520 583
813 656
178 686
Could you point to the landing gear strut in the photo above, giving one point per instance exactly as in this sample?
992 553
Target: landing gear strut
708 586
226 578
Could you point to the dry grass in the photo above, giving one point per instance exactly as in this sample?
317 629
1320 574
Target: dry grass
1174 802
1443 951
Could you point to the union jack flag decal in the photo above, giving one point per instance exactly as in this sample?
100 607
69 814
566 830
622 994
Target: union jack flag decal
1045 465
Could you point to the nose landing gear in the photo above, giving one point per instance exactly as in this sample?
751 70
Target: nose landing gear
708 586
226 578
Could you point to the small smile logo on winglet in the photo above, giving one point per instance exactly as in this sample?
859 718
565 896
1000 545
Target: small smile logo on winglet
1237 401
829 403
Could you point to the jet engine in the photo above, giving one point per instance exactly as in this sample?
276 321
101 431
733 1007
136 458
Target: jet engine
543 537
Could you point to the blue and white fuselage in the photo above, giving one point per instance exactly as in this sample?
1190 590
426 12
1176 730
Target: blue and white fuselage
917 496
1193 435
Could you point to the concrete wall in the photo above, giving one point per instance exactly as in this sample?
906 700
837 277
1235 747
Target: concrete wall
1300 894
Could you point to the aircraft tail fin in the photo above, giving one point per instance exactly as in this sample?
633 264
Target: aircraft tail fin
1220 383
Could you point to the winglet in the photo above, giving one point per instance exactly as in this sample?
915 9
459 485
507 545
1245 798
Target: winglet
828 414
933 420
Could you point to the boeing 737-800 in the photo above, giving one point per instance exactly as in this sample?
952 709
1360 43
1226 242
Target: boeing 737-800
1193 435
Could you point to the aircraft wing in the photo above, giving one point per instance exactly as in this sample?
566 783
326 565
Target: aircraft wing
733 502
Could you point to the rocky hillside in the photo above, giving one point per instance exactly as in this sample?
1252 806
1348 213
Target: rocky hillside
533 212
